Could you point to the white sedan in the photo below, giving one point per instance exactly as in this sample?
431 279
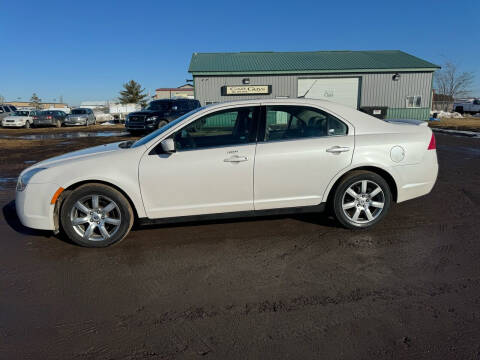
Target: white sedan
234 159
20 118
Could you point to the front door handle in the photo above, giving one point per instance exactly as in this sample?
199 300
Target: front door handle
338 149
236 158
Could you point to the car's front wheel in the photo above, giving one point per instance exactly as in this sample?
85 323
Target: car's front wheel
96 215
361 199
162 123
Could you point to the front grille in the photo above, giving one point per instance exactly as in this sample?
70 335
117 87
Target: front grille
135 126
136 118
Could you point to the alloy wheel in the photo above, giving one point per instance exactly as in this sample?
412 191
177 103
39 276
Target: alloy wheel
95 217
363 201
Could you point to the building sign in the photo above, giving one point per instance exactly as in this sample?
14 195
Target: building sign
246 90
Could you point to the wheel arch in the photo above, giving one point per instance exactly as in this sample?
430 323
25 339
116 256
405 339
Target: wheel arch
375 169
75 185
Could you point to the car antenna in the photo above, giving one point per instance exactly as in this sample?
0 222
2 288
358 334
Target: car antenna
303 96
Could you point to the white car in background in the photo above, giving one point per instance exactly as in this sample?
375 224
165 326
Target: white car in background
20 118
241 158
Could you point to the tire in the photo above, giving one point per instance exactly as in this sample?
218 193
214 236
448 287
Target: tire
58 124
80 206
364 210
162 123
27 125
459 109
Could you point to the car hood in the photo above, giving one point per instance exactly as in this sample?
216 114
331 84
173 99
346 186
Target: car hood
88 152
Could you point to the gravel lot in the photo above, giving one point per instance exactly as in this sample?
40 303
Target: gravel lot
281 287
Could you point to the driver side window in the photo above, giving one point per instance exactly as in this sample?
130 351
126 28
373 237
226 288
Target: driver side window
223 128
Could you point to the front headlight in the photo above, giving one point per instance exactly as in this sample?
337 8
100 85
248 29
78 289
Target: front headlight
152 118
23 180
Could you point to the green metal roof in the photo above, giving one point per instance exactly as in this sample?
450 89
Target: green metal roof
306 62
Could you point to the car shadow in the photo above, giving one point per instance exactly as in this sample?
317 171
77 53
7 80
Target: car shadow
321 219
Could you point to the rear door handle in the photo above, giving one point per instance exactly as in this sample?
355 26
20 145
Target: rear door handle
338 149
236 158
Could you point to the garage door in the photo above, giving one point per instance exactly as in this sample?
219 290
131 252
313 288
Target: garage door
339 90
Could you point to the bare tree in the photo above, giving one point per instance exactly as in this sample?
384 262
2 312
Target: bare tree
2 99
449 81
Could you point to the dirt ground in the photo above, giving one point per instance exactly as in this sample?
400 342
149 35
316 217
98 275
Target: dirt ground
465 124
272 288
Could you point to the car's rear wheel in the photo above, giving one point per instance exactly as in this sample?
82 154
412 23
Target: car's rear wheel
96 215
361 200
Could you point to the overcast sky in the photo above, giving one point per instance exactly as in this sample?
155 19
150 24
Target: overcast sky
86 50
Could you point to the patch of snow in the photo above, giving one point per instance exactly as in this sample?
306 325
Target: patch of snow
446 114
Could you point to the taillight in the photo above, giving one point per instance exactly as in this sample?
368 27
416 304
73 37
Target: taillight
433 144
49 117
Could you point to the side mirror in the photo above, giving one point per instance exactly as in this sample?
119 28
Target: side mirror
168 146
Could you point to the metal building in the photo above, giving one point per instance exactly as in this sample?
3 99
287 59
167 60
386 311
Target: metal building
390 83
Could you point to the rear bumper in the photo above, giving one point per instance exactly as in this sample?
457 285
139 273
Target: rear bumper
33 206
43 123
416 180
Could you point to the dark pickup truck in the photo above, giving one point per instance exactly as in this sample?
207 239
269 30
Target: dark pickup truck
159 113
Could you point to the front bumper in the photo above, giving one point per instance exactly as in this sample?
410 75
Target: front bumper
33 206
13 124
140 126
75 123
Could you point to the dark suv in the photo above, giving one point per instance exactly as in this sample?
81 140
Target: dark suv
159 113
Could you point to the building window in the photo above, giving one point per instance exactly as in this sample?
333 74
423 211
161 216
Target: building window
414 101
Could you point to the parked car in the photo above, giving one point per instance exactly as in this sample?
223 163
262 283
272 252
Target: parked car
20 118
6 110
241 158
467 106
50 118
159 113
81 116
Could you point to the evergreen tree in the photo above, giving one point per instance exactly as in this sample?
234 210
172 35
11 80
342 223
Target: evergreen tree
133 94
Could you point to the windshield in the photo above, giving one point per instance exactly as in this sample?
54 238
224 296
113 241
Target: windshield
156 133
79 111
20 113
158 105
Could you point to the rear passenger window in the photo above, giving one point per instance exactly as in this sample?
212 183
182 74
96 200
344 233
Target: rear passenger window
296 122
